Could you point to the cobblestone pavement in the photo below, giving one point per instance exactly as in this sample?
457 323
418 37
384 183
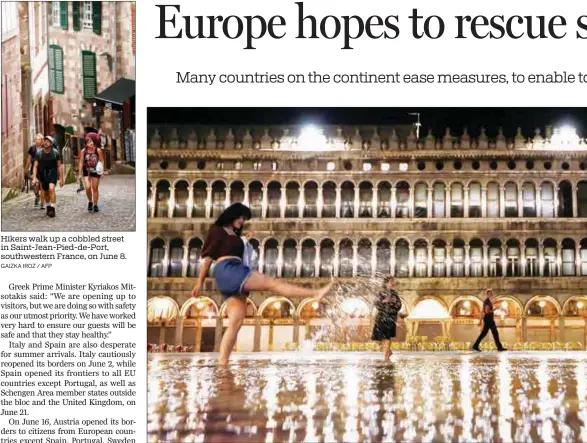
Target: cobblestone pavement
117 209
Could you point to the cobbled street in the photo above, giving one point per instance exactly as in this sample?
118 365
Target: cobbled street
117 209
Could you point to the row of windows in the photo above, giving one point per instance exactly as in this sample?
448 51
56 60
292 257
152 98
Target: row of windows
401 201
56 72
348 165
421 259
85 15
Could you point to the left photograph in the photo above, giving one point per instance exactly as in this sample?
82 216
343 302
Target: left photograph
68 116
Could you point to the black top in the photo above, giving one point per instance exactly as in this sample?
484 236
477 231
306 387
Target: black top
388 308
488 309
33 153
46 160
220 243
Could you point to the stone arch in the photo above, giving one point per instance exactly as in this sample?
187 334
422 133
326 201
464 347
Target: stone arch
224 306
472 298
543 297
273 299
191 301
168 305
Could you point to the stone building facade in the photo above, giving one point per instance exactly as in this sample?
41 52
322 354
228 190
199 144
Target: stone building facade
448 215
91 48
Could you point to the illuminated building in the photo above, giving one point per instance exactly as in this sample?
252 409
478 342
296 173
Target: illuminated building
449 216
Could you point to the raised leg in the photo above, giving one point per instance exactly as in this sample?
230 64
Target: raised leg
261 282
95 191
237 308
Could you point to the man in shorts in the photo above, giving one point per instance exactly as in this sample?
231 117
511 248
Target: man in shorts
32 153
46 171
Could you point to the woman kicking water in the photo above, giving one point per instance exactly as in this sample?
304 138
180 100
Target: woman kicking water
388 305
234 279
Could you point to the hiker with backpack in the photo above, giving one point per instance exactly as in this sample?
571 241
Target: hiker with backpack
91 168
32 153
47 169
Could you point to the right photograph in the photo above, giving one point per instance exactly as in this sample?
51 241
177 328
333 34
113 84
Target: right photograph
366 274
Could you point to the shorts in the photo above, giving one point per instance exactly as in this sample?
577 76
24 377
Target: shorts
47 177
231 275
87 173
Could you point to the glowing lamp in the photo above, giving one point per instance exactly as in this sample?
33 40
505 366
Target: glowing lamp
315 305
580 305
467 304
200 305
542 304
277 305
312 138
367 166
330 166
504 304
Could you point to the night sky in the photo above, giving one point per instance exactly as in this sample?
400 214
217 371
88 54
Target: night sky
436 119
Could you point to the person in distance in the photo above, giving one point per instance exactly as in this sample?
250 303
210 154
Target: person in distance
91 168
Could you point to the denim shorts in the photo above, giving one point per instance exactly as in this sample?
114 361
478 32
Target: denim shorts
231 275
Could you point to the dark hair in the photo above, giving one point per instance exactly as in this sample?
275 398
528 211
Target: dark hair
95 138
231 213
386 280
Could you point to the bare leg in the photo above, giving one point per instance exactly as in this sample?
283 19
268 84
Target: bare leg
261 282
52 197
42 196
88 186
386 348
95 184
237 309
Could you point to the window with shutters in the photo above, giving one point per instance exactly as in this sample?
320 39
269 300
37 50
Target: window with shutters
89 82
56 13
492 200
87 17
56 83
438 200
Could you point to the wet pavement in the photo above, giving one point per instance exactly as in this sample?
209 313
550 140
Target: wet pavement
356 397
117 209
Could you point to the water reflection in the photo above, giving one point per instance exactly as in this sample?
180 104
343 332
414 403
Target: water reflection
334 397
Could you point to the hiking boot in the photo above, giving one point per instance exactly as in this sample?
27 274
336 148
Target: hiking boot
90 206
49 211
42 206
96 208
52 213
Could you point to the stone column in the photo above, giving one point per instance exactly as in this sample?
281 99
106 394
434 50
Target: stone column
208 201
374 204
561 329
392 260
485 260
429 202
198 345
317 262
504 269
171 204
257 335
218 333
429 272
524 328
466 203
447 201
271 331
246 200
227 197
541 260
357 202
261 257
411 203
335 260
338 200
190 208
523 263
556 189
301 202
162 333
179 330
575 189
166 260
185 261
296 330
484 202
578 259
467 261
502 201
373 259
298 260
282 202
559 260
264 202
393 201
552 330
411 261
280 260
520 202
449 258
539 201
519 330
153 201
355 258
320 202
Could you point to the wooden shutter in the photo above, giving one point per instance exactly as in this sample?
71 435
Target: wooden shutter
76 7
63 14
89 74
97 17
56 82
134 25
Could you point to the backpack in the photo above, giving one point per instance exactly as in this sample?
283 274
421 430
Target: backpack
91 159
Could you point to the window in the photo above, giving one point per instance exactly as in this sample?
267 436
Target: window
220 166
59 14
366 166
438 200
87 19
511 200
256 166
89 82
492 200
9 19
330 166
238 166
56 83
474 200
421 200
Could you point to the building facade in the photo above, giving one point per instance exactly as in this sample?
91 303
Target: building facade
91 48
449 216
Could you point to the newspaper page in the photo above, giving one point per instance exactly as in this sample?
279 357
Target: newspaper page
362 221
